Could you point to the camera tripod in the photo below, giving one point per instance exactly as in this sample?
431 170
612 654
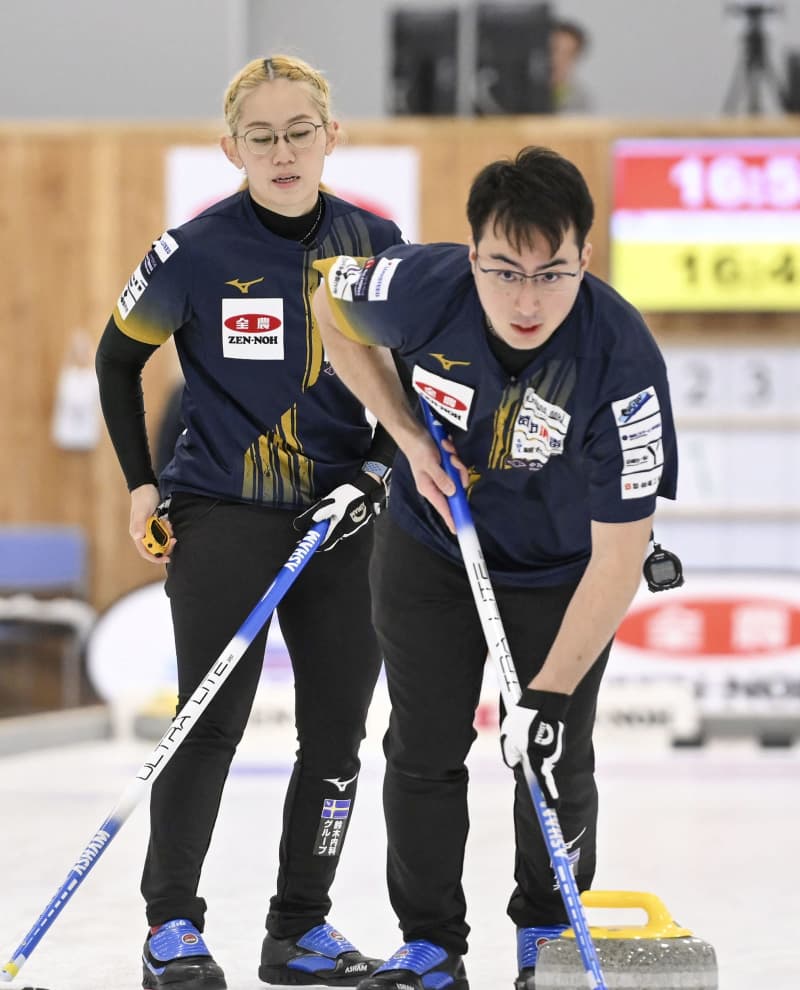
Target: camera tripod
754 72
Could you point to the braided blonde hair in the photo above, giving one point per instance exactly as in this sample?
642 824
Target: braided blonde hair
262 70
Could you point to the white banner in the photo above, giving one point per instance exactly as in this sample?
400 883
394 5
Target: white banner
734 637
382 180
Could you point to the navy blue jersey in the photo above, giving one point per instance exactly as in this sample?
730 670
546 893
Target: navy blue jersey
584 432
266 418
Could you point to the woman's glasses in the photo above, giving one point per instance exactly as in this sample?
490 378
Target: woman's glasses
261 140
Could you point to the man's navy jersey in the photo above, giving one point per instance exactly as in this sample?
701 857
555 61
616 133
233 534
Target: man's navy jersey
266 418
583 433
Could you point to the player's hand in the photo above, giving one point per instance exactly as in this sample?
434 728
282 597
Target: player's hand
144 501
431 479
535 727
348 507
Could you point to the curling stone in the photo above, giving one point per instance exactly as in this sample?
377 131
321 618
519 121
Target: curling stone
658 955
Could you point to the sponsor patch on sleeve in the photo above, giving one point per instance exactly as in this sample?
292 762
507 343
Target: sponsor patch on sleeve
165 246
343 277
353 281
162 250
635 407
638 421
381 277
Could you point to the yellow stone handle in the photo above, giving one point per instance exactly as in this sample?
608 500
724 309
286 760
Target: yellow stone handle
659 921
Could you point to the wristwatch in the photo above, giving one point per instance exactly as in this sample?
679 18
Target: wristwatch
376 468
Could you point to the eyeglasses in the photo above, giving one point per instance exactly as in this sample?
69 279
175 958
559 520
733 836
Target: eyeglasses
261 140
549 281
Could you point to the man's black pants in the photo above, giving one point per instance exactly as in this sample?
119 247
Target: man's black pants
435 651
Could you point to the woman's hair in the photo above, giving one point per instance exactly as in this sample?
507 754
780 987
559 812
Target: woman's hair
262 70
539 192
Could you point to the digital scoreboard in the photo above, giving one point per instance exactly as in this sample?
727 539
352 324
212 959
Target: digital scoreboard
707 224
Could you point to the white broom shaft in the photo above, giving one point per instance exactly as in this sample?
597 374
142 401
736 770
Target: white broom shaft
497 645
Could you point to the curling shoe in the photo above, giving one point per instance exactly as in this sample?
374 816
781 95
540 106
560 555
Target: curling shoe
419 965
175 957
529 942
322 957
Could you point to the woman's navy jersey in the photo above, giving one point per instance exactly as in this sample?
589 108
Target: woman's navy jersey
266 418
583 433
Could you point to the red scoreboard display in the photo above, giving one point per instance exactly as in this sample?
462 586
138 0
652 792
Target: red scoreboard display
707 224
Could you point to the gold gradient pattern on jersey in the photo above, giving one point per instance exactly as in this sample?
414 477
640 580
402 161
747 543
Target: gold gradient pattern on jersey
348 235
315 352
141 330
343 323
503 427
275 470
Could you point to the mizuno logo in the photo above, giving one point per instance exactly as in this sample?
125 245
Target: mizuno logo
447 364
339 783
244 287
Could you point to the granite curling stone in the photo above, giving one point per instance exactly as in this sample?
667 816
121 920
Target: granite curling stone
658 955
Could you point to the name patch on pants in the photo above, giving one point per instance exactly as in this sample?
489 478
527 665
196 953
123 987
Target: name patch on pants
332 826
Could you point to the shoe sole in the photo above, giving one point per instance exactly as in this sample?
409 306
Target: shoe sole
151 982
455 985
212 984
279 976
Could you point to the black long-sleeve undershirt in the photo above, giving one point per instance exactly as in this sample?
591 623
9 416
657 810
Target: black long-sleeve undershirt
119 362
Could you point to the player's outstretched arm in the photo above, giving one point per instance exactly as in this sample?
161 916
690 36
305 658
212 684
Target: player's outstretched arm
371 375
599 604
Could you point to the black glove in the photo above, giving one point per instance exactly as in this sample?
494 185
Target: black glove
535 726
348 507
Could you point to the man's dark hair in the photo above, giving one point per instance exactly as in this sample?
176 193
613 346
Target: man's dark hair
574 29
539 192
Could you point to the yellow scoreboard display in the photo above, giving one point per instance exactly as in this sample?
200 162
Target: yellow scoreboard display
707 224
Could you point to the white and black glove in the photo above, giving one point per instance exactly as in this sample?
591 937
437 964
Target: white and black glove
348 507
535 726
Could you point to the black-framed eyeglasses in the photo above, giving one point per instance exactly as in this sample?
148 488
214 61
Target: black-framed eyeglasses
261 140
548 281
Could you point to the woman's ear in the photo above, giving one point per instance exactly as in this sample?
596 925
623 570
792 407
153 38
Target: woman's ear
331 136
228 144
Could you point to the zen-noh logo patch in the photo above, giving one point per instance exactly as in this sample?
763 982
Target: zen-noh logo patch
450 400
253 329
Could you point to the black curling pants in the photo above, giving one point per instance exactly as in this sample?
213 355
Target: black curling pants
225 559
435 651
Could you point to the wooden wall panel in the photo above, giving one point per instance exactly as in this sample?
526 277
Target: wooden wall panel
79 205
